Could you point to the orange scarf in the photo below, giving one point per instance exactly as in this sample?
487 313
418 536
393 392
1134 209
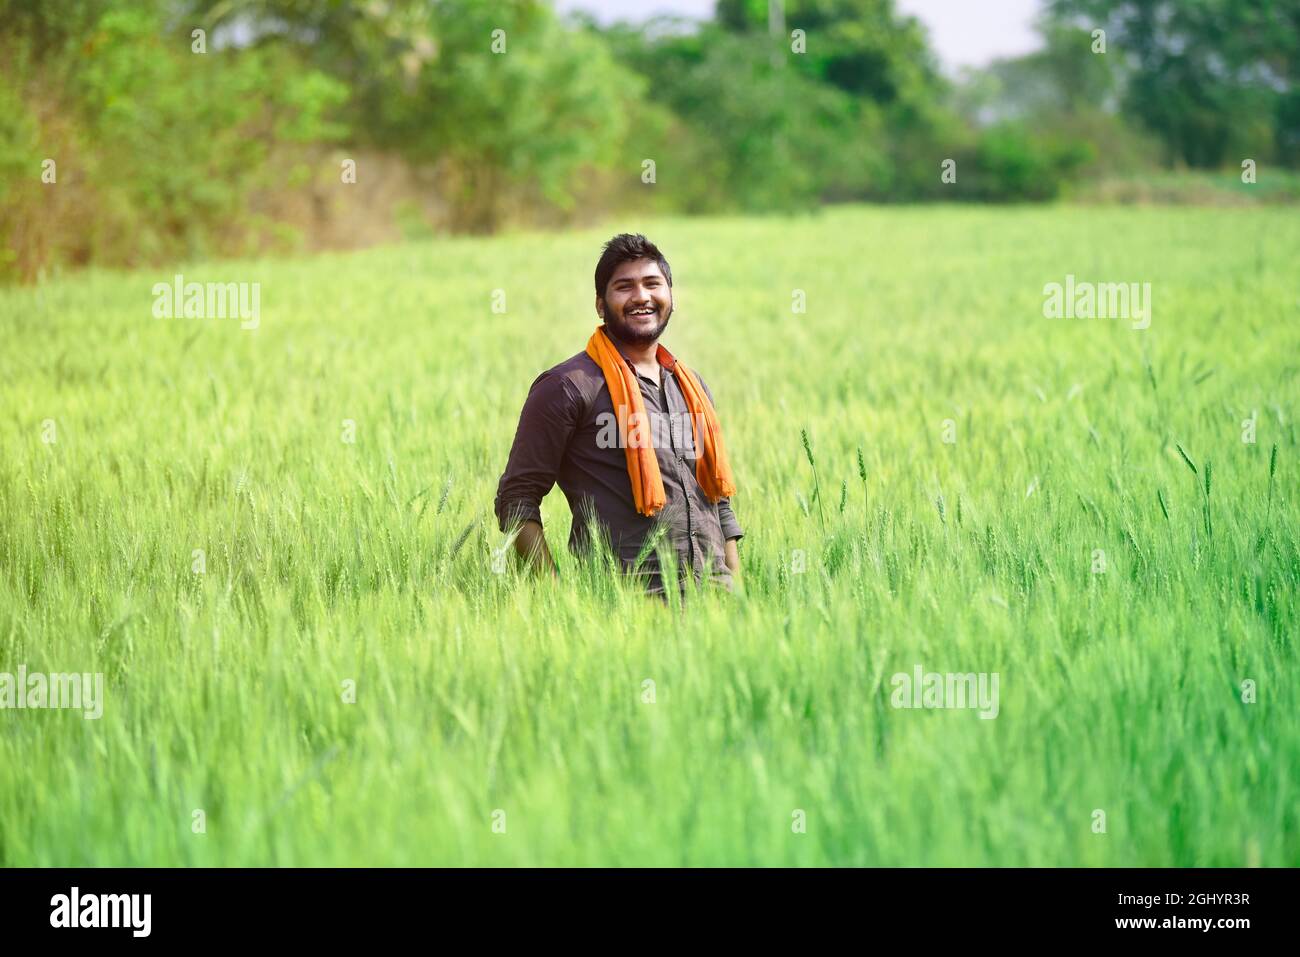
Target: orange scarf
711 467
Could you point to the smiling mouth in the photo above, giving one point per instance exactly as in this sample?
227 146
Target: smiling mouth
641 312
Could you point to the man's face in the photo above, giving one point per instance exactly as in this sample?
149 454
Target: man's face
638 302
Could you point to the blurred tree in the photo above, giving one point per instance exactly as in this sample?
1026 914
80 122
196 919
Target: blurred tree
1063 97
1063 78
1214 79
157 147
518 109
774 139
531 122
862 47
46 28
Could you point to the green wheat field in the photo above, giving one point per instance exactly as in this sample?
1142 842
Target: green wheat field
309 659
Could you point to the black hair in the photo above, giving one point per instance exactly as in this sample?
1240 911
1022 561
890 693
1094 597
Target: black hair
627 247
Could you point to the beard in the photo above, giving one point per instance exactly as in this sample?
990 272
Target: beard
623 331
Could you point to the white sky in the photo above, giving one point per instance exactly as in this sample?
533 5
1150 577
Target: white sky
962 32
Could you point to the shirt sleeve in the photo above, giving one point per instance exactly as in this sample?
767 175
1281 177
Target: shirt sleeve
730 527
546 424
726 517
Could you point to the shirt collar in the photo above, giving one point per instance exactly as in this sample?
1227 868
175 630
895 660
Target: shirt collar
639 375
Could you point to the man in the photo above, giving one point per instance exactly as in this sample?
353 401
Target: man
630 435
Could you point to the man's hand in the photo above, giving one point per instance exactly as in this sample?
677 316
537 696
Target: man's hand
530 544
732 557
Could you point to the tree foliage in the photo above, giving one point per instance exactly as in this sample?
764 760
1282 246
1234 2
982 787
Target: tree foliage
1214 79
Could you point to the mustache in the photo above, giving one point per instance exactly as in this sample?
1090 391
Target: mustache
620 326
659 309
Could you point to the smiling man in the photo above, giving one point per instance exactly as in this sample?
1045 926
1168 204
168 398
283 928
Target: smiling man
631 436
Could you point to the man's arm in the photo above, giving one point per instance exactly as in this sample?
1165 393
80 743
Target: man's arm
733 557
547 422
731 529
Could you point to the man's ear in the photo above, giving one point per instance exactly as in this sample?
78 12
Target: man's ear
600 307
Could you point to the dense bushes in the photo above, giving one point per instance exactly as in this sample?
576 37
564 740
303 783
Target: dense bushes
149 149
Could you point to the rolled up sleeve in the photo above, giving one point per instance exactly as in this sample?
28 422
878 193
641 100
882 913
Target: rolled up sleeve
726 517
546 425
730 527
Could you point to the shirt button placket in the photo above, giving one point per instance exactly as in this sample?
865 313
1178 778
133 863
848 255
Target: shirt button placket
683 479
